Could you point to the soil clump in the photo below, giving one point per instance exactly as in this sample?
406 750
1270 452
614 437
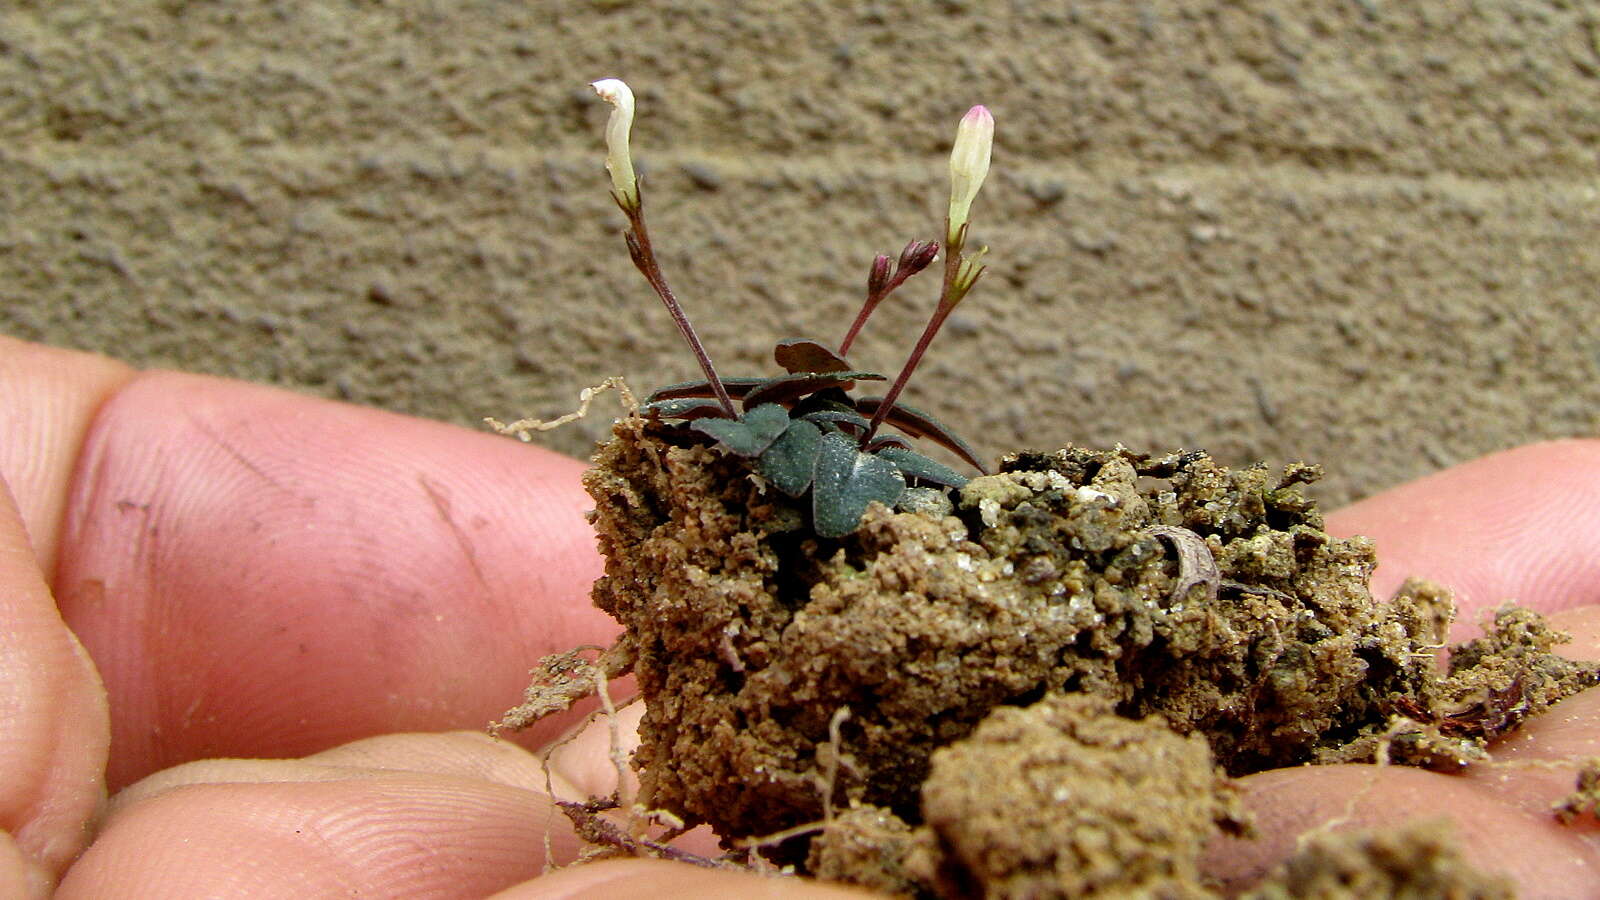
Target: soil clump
1126 628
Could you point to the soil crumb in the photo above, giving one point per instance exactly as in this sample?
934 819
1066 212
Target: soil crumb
1066 798
872 848
1585 797
1418 861
560 680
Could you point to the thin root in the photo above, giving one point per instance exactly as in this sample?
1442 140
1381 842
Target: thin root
611 838
523 429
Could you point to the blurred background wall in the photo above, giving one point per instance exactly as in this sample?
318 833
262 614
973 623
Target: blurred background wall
1359 232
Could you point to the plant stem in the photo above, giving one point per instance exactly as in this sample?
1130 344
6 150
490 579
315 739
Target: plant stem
913 259
952 264
861 319
644 257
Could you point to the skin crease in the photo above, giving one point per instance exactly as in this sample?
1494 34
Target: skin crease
257 574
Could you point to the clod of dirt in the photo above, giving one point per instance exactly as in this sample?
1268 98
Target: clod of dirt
1065 798
1159 585
1413 862
872 848
1585 797
561 680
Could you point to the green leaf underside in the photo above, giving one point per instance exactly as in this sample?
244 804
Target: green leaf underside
838 417
684 408
791 461
786 388
751 433
845 482
799 355
919 424
914 465
737 387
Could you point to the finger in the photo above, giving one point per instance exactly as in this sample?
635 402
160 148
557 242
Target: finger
659 879
47 399
313 831
53 730
458 754
1541 856
1537 765
258 573
1498 806
446 815
1515 525
21 876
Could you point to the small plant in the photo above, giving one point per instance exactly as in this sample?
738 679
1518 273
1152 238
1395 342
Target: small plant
804 430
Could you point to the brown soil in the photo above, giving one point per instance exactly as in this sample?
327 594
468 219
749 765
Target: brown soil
1035 803
1198 612
1419 861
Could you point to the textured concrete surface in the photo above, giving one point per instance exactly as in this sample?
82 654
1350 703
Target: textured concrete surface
1362 233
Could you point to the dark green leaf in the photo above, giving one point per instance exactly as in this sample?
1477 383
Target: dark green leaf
846 481
683 408
914 465
839 417
792 459
751 433
787 388
918 424
737 387
799 355
831 400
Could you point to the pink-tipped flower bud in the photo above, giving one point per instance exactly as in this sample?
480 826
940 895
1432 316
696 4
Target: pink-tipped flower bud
917 255
969 165
878 278
618 161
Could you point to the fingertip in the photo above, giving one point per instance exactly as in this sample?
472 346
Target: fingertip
259 573
1516 525
667 880
53 714
23 878
1529 847
48 397
291 829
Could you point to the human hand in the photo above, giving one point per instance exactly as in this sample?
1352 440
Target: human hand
257 574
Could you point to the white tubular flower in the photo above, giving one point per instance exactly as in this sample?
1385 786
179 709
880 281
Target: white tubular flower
617 93
969 165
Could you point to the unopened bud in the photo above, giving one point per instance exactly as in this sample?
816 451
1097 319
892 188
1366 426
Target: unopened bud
917 256
878 278
618 162
969 165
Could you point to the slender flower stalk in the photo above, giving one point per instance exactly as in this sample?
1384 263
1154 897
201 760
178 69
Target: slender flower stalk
880 283
625 190
969 165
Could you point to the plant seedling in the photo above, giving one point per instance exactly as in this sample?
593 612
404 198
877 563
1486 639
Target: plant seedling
804 430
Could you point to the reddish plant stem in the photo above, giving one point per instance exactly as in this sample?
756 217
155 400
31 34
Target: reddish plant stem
644 257
952 264
861 319
913 259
